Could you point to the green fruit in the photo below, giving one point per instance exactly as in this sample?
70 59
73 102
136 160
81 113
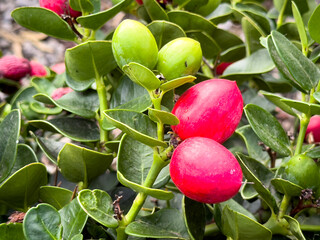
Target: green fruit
303 171
180 57
133 42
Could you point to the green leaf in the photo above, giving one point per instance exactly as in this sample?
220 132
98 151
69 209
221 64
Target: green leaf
295 227
286 187
304 107
43 20
300 26
77 237
25 156
42 222
275 99
21 189
137 125
165 223
98 205
141 75
210 48
314 152
175 83
165 32
292 63
129 95
268 129
84 104
313 25
238 226
10 128
252 36
253 171
41 109
11 231
73 219
78 84
90 60
251 140
97 20
77 129
55 196
81 5
81 164
155 11
258 62
235 206
43 85
140 158
23 95
194 216
162 117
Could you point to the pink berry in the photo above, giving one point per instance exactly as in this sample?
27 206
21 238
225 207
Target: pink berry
14 68
60 7
37 69
59 68
211 109
314 128
222 66
205 171
60 92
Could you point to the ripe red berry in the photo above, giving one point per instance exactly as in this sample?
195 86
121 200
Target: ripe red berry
14 68
59 68
314 128
37 69
205 171
60 92
211 109
222 66
60 7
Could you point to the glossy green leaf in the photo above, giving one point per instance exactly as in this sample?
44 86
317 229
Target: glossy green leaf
313 25
300 25
308 108
43 20
77 237
55 196
268 129
190 21
21 189
247 191
252 174
78 84
292 63
11 231
194 217
210 48
141 75
41 109
77 129
49 147
251 140
140 158
275 99
175 83
81 5
238 226
165 32
135 124
286 187
43 85
252 36
84 104
129 95
23 95
235 206
81 164
162 117
295 227
221 14
226 41
73 219
42 222
90 60
98 205
314 152
10 128
165 223
97 20
155 11
258 62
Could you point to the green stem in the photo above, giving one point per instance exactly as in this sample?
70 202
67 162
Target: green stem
310 228
102 93
281 14
284 206
277 226
304 121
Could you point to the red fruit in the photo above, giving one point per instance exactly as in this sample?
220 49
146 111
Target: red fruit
14 68
211 109
60 7
314 128
222 66
60 92
205 171
37 69
59 68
